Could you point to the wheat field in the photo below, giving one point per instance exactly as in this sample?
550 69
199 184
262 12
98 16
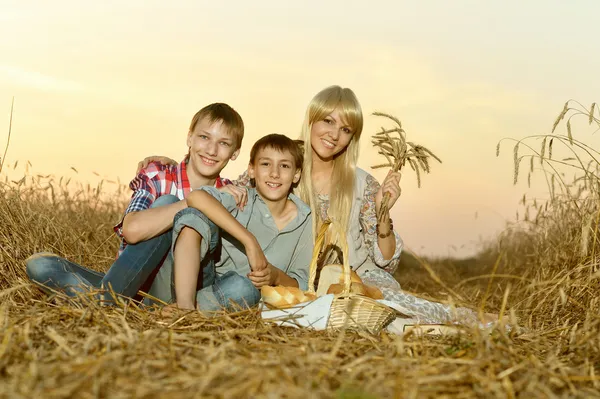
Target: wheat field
543 272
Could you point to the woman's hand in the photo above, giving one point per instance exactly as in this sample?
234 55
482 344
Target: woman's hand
155 158
239 193
390 185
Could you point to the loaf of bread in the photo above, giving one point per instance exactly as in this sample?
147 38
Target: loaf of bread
331 281
374 292
357 288
284 297
333 274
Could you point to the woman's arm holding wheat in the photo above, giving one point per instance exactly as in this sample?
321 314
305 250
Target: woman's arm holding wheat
391 189
378 247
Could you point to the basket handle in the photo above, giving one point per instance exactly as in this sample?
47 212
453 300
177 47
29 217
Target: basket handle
319 244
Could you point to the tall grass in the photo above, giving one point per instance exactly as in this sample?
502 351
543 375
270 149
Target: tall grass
42 213
556 247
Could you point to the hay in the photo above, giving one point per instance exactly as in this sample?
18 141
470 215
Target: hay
55 347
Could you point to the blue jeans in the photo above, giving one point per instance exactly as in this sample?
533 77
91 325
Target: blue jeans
138 262
228 291
126 275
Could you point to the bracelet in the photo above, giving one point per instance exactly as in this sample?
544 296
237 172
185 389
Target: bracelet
389 233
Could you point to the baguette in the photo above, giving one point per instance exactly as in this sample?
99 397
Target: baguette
284 297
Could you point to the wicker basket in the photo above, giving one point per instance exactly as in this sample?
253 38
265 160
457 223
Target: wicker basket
349 310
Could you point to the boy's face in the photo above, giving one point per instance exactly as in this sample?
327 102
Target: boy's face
211 148
274 172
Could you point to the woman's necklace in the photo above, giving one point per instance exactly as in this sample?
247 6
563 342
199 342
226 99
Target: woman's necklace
324 185
320 190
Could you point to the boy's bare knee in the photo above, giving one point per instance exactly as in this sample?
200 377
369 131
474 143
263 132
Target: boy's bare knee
190 234
187 238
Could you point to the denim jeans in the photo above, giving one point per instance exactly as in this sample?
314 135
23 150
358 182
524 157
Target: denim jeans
125 277
138 262
216 292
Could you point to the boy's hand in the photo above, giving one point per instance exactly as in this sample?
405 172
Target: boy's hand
155 158
267 276
262 272
256 257
239 193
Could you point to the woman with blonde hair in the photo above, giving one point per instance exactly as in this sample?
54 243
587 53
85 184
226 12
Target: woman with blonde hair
336 189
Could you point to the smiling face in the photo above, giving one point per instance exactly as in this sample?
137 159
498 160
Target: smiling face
211 148
274 172
330 135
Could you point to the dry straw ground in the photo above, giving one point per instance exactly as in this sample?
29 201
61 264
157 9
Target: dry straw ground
543 270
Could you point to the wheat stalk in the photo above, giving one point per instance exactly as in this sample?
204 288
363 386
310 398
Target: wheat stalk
9 131
560 116
392 144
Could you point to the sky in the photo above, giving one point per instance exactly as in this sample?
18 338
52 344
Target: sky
100 85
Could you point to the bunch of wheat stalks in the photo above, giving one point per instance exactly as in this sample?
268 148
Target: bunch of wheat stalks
398 151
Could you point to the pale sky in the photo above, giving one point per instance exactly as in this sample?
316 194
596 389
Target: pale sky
101 85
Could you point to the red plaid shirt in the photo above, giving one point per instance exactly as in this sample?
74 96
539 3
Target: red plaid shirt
154 181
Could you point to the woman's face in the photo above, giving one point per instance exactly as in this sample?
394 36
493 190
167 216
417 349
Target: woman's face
330 136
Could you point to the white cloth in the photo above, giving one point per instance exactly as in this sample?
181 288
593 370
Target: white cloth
313 314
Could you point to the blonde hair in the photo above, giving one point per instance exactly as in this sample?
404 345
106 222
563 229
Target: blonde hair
344 163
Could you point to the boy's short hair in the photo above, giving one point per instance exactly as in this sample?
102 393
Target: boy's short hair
280 143
221 112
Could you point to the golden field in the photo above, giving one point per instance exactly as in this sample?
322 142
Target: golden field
543 272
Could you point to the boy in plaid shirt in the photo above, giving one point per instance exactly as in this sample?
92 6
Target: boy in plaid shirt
214 138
